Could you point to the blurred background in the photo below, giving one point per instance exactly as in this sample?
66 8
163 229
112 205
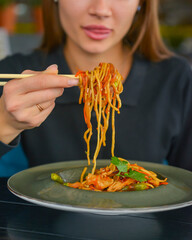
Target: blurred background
21 26
176 25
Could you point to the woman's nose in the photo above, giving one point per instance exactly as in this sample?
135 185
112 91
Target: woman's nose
100 8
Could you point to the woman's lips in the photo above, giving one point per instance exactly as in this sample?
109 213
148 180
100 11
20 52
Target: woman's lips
97 32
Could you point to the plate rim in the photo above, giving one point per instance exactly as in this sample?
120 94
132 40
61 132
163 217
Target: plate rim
97 210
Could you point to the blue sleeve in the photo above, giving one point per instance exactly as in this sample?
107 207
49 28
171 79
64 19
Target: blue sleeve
4 148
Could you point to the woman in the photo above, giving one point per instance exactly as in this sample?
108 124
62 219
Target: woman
154 123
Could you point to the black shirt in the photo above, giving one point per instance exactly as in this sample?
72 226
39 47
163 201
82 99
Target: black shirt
155 121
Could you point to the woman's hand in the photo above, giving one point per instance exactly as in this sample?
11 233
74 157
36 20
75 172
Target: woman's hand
26 103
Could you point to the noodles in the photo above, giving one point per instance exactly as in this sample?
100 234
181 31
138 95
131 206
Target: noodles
119 176
99 91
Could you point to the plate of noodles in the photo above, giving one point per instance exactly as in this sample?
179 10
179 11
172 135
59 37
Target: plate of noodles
35 185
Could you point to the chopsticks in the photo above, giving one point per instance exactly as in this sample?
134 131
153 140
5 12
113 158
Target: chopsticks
13 76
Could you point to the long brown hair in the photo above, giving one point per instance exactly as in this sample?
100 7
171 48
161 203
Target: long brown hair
143 37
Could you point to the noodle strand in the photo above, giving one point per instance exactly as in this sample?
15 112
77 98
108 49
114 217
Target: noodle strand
99 91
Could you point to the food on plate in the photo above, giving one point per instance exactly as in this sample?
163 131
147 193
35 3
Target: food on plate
119 176
99 91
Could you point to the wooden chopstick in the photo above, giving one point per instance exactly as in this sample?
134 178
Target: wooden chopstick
13 76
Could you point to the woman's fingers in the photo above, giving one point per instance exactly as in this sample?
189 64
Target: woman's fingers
52 69
41 80
43 114
45 81
42 106
33 117
27 102
32 98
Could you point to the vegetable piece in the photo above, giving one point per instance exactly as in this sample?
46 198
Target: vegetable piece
123 168
98 181
163 183
126 188
55 177
135 187
74 185
140 186
121 165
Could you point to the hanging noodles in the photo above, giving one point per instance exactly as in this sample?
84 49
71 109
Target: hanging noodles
99 91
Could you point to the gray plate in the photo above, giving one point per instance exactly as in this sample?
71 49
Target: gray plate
35 185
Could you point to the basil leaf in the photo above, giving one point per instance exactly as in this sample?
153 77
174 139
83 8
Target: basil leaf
136 175
121 165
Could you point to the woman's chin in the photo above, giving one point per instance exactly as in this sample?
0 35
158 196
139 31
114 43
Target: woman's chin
96 49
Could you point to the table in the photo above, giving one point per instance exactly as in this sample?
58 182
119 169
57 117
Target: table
21 220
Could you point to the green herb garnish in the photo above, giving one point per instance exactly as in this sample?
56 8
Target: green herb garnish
135 175
122 166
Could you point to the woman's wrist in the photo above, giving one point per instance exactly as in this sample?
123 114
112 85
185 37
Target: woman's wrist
7 133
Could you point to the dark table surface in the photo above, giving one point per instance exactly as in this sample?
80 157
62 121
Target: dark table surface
21 220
